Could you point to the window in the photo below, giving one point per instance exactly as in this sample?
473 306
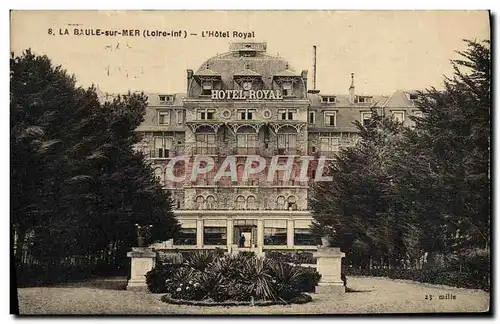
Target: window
199 202
287 142
246 143
312 117
365 118
287 89
206 88
214 236
251 203
328 99
292 203
205 114
180 116
164 118
162 147
287 114
186 236
398 116
162 98
205 143
329 144
302 234
211 202
280 203
240 203
275 232
365 99
330 118
246 114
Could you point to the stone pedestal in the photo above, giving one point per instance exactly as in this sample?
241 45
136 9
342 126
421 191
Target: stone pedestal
142 261
329 266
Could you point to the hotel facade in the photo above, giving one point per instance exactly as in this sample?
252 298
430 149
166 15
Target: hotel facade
247 103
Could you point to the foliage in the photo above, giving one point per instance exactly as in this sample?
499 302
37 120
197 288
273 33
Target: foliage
239 277
403 192
77 185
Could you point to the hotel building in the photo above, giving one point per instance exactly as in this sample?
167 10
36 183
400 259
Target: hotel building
268 112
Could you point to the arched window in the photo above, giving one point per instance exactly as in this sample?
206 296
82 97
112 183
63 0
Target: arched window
199 202
280 202
211 202
251 203
292 203
240 202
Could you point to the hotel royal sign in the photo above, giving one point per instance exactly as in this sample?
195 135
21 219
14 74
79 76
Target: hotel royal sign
247 95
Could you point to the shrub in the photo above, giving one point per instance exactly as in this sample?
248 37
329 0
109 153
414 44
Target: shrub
240 278
199 259
159 277
470 270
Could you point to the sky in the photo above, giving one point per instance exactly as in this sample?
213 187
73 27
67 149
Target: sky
386 50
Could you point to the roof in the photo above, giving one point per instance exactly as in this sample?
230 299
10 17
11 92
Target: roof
247 72
207 72
287 73
400 98
342 100
154 99
243 62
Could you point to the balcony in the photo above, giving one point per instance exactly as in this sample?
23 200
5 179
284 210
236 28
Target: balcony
287 151
246 151
204 150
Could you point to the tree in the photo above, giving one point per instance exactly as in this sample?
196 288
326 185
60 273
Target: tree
78 187
457 127
400 191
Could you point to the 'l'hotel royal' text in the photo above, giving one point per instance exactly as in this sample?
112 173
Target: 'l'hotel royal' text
151 33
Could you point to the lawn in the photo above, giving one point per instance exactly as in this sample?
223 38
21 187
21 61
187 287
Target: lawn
369 295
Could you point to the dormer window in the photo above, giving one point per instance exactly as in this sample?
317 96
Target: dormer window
328 99
287 89
206 88
166 98
365 99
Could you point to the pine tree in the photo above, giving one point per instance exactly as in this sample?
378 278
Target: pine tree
78 187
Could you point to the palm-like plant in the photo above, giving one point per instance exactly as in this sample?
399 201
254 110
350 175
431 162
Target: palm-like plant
199 260
256 273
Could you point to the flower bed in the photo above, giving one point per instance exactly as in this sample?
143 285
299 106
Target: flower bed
302 299
214 278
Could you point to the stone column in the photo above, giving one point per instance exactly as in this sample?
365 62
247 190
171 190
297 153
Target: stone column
329 266
230 234
142 261
260 236
199 233
290 233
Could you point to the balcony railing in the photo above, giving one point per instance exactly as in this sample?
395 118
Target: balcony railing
246 151
287 151
204 150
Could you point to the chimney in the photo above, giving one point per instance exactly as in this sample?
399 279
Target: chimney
189 77
351 90
313 90
314 67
